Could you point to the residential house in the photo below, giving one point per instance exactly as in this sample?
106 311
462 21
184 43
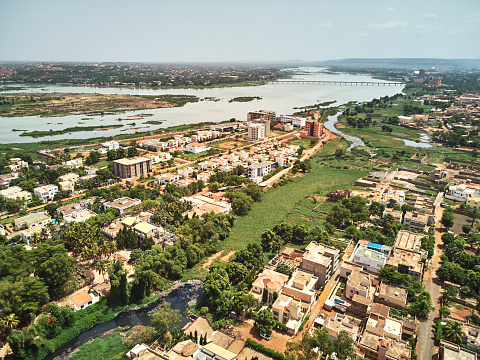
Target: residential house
166 179
8 177
451 351
82 299
391 295
415 220
33 219
46 192
406 262
295 300
341 323
459 193
80 215
111 145
84 179
268 285
27 234
367 257
16 164
73 164
121 204
396 214
195 148
257 170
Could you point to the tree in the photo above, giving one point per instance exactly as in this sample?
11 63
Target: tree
241 203
447 219
344 346
214 186
422 305
466 229
322 339
283 268
164 318
453 332
444 311
10 322
264 321
271 241
53 266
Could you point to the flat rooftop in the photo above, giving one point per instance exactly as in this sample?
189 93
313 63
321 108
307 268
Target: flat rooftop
132 161
406 258
408 240
393 291
122 203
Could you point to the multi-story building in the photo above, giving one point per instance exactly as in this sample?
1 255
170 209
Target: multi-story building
80 215
406 262
16 164
369 258
131 168
295 300
313 130
121 204
68 209
396 214
8 177
459 193
267 284
264 117
295 121
111 145
359 282
451 351
415 220
321 260
166 178
74 163
46 192
256 132
473 202
16 192
84 179
341 323
258 170
391 295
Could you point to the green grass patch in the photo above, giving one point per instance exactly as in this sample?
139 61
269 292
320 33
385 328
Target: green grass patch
245 99
109 348
154 122
278 204
41 133
306 143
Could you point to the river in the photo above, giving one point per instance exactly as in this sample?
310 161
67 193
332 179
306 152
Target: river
330 125
280 97
180 298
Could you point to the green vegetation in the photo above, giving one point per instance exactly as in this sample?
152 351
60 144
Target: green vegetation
41 133
110 348
245 99
281 203
154 122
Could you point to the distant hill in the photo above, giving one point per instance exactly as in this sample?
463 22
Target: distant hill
400 63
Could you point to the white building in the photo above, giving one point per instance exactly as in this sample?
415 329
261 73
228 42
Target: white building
295 121
459 193
258 170
111 145
46 192
8 177
195 148
83 299
367 257
17 164
74 163
256 132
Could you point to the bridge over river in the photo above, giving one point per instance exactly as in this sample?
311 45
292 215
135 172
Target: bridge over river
327 82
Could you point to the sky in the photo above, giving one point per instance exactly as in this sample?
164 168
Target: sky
237 30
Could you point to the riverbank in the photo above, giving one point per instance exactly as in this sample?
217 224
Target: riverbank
180 296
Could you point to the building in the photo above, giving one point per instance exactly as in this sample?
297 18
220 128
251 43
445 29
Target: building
80 215
295 300
256 132
459 193
473 202
73 207
259 170
131 168
82 299
121 204
313 130
195 148
341 323
408 240
74 163
166 179
33 219
264 117
8 177
321 260
369 258
206 203
415 220
27 234
295 121
84 179
391 295
359 282
16 164
406 262
451 351
267 284
16 192
339 195
111 145
46 192
435 82
396 214
212 351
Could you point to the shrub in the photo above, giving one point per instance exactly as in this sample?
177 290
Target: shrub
264 350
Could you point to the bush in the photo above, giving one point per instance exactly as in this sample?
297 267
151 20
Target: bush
264 350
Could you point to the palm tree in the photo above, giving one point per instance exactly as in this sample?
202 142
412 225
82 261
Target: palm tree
101 267
10 322
453 332
35 238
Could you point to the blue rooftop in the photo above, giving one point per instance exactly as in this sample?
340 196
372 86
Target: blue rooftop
375 246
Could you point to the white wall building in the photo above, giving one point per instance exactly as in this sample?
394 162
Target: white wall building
256 132
46 192
295 121
368 258
111 145
459 193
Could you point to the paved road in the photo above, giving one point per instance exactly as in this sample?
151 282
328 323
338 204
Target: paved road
425 339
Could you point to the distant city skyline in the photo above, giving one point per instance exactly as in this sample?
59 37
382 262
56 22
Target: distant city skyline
236 31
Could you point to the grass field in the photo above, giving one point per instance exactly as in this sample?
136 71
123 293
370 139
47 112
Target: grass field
306 143
281 203
110 348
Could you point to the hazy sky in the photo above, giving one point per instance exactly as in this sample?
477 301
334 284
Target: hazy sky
236 30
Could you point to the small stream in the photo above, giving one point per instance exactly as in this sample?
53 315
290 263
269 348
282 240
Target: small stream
180 298
330 125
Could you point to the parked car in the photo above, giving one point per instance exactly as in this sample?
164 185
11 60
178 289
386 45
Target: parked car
265 336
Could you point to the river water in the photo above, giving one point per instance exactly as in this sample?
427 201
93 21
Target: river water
179 298
330 125
280 97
